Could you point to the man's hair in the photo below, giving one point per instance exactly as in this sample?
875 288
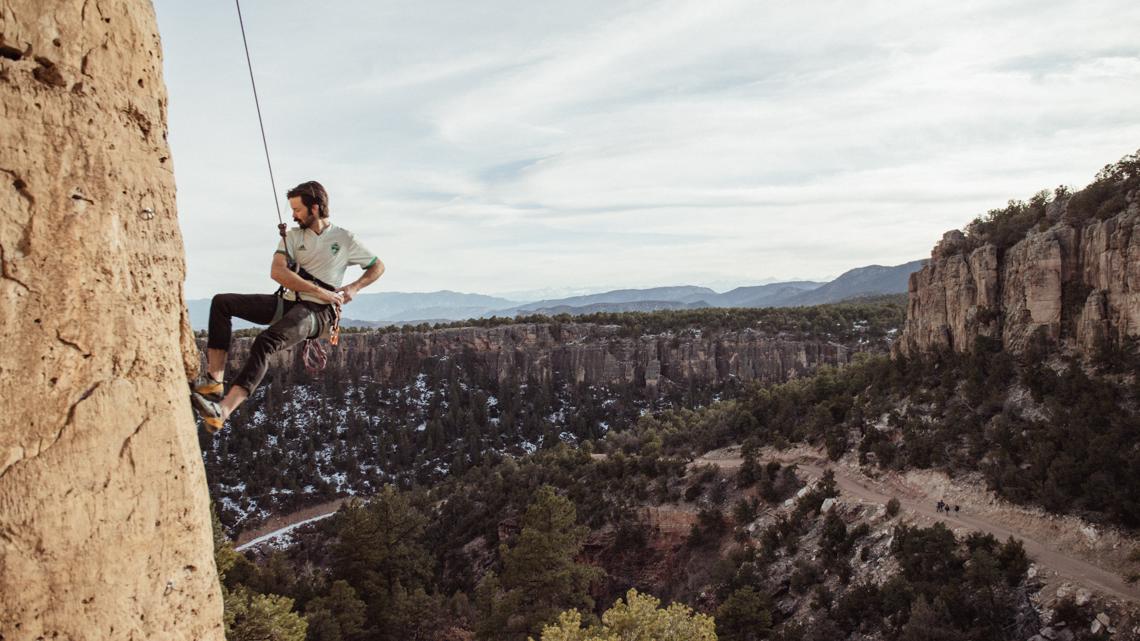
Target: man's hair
312 193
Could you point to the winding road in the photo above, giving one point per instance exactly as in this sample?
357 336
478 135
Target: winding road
861 488
853 485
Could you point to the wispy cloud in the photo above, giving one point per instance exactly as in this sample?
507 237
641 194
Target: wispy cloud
512 145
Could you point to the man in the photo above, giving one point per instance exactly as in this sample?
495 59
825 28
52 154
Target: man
322 252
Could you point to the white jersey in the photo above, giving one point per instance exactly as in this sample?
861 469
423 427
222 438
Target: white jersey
325 255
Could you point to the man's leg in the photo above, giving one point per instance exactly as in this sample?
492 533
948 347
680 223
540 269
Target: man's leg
296 325
216 363
255 308
236 396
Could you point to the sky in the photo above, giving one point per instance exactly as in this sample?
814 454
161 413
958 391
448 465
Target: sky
527 148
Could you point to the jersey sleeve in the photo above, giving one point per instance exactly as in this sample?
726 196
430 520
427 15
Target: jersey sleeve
358 254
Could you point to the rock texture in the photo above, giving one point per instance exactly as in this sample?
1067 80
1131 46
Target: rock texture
104 517
1072 282
579 353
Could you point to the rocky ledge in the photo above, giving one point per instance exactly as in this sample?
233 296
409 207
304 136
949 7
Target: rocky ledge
1076 282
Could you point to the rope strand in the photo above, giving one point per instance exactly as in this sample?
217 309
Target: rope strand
314 355
260 122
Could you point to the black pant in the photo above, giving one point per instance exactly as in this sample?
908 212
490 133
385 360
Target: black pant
301 320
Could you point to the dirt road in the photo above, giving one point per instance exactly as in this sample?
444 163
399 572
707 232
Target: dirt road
1054 543
919 499
286 521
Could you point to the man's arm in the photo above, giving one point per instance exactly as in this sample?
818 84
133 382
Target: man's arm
374 271
289 279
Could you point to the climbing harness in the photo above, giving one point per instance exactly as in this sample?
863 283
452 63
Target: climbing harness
314 356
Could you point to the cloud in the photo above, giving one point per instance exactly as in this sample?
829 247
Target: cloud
512 145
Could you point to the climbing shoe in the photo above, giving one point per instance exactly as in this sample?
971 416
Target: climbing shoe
210 412
210 389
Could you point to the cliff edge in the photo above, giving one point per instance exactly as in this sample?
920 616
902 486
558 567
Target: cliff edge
104 516
1060 269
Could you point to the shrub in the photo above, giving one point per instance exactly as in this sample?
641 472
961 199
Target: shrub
639 617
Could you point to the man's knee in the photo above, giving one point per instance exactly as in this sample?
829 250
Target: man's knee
223 304
221 311
269 340
281 335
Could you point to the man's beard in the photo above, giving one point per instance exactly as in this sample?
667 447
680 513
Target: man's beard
302 225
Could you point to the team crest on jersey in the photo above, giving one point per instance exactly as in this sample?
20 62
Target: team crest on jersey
334 248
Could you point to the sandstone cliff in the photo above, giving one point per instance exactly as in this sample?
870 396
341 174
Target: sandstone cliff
1076 281
104 519
426 405
581 353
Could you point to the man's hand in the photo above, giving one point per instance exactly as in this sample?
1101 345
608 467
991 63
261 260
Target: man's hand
348 291
331 298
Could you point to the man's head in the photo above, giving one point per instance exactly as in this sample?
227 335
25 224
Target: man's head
309 201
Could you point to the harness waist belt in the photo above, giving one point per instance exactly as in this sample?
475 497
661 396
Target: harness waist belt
309 277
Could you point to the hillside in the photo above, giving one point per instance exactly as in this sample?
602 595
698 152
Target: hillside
395 308
756 540
864 281
684 294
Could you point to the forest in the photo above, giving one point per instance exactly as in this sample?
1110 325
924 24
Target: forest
302 440
530 546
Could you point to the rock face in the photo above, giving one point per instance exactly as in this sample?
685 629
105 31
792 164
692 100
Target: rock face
104 516
580 353
1077 283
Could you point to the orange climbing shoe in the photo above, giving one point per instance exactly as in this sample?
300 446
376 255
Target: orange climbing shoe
210 389
209 411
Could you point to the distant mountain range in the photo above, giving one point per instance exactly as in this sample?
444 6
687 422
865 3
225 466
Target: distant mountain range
396 308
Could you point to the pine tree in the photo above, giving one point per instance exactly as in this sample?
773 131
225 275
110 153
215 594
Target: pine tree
380 552
746 615
540 575
929 623
250 616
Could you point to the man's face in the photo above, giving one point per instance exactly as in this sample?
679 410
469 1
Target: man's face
301 214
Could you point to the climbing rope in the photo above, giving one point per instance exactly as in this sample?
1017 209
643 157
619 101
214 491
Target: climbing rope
314 355
260 122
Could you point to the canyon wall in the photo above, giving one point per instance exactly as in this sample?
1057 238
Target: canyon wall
1073 282
578 353
104 515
